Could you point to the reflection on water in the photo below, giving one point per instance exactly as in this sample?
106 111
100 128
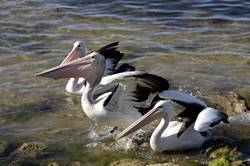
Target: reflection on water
195 44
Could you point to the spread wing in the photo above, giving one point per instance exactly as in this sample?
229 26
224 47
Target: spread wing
134 91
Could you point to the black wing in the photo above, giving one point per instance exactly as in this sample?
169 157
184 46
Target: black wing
124 67
112 56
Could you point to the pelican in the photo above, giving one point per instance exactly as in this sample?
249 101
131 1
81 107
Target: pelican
77 85
134 90
165 136
133 93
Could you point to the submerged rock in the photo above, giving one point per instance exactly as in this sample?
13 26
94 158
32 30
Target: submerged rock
27 151
28 154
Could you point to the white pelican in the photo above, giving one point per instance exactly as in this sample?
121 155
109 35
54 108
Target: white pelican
124 104
165 136
132 96
77 85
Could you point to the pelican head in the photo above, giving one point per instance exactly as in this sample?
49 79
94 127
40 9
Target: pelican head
162 108
78 51
90 67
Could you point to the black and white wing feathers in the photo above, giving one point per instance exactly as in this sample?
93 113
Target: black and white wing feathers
112 56
192 107
136 91
208 118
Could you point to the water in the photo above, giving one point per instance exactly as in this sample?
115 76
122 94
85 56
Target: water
200 45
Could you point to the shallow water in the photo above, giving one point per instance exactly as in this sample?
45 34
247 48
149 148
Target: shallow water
197 45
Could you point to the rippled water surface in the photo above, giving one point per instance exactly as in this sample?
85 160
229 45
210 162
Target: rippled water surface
202 45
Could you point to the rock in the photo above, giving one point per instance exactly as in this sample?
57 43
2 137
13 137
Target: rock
137 140
28 150
183 163
221 147
225 156
232 104
102 133
223 161
141 136
131 143
93 144
145 145
244 94
128 162
125 143
225 151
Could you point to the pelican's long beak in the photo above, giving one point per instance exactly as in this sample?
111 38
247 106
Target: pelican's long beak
81 67
152 115
75 53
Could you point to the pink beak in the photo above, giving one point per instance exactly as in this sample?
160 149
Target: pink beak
152 115
74 54
81 67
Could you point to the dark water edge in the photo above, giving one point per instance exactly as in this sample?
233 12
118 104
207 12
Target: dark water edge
201 47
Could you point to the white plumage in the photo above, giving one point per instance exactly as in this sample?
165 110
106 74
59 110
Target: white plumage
165 136
208 118
121 106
